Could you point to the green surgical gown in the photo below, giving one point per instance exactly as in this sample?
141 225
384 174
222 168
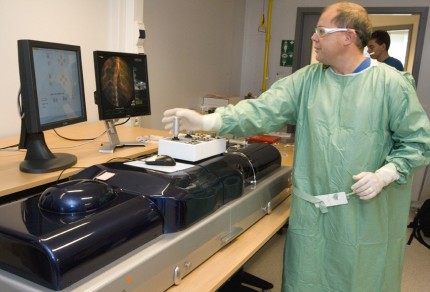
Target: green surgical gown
345 124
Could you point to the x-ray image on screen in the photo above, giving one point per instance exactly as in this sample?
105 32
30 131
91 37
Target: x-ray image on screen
122 85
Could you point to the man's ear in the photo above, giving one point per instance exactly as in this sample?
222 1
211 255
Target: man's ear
350 37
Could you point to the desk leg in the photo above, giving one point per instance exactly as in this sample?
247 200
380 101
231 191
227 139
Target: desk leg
234 284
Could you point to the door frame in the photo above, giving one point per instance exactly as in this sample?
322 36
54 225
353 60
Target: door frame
306 16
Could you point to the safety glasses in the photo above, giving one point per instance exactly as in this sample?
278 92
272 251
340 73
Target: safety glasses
323 31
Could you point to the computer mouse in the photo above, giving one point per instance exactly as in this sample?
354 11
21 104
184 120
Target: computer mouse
164 160
76 196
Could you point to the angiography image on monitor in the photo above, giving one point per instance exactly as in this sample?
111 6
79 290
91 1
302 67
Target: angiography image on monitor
117 84
122 91
52 96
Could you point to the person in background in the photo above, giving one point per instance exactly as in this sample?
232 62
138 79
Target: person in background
378 46
360 133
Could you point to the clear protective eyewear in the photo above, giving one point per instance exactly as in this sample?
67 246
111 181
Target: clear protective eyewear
323 31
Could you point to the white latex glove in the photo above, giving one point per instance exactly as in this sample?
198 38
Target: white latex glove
370 184
192 120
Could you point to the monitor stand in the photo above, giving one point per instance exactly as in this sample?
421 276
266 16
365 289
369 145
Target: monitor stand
109 147
39 159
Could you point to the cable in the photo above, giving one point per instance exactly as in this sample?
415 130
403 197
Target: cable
72 139
74 146
121 158
10 146
262 26
20 110
254 179
120 124
89 139
62 171
83 167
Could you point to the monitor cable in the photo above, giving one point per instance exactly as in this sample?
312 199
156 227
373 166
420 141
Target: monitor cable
253 180
21 115
89 139
19 104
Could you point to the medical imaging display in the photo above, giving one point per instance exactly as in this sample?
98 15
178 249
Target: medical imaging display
51 96
122 85
58 85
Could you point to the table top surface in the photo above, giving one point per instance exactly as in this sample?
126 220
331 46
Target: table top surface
87 152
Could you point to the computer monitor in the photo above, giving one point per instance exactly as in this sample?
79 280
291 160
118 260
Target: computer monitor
52 96
122 91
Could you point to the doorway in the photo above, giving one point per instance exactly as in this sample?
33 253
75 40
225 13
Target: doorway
307 18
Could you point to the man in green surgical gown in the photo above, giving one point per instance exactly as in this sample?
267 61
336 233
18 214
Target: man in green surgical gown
360 132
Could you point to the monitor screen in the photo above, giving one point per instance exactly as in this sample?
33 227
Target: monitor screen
58 85
122 89
52 96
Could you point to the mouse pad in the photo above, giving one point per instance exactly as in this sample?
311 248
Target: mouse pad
141 163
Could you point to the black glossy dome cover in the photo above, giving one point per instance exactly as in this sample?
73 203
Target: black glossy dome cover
76 196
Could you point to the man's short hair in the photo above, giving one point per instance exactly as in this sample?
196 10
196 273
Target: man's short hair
381 37
352 15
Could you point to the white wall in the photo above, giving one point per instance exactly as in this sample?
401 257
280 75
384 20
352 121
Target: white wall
194 48
283 28
78 22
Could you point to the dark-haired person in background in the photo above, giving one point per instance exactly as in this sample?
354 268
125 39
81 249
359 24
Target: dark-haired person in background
378 46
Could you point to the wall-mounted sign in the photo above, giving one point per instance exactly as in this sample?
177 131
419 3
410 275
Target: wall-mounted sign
287 49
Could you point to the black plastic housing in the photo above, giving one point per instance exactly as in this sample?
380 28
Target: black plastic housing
72 229
57 250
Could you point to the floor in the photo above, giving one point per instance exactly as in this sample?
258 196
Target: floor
267 264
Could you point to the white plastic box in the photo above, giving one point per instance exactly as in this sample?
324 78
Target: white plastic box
192 149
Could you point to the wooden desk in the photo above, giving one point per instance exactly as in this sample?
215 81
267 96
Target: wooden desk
287 153
13 180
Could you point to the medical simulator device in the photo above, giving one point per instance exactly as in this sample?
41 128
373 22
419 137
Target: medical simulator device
113 222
